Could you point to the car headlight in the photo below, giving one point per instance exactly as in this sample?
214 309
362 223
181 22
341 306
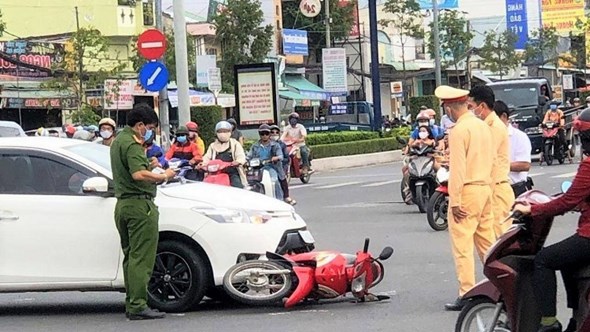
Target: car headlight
232 216
533 130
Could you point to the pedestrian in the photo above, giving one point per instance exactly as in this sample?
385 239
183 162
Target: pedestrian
235 132
470 196
520 152
481 102
136 215
107 127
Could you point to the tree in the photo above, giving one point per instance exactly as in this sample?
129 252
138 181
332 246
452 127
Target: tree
455 40
169 57
541 48
87 63
498 53
342 15
2 25
242 37
406 18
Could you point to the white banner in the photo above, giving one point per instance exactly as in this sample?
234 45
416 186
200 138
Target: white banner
204 63
334 69
568 82
118 95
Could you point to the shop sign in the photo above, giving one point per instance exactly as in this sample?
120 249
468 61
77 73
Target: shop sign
41 103
45 55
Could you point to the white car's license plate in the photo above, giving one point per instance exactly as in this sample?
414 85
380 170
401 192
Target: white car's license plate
307 237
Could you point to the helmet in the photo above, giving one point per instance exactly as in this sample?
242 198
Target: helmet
576 99
588 99
293 115
42 132
92 128
232 122
275 127
582 125
192 126
430 112
264 128
422 116
107 121
182 130
223 125
70 130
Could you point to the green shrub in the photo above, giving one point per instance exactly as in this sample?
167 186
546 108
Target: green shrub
340 137
428 101
354 148
207 117
403 132
248 144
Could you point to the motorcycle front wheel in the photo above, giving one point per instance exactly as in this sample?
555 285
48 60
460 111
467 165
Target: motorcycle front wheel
422 197
258 283
478 316
548 154
436 212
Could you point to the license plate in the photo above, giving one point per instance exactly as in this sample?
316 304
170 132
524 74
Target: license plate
307 237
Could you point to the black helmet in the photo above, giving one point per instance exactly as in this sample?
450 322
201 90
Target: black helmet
582 125
275 127
293 115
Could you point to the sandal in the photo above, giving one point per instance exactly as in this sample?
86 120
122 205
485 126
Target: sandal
291 201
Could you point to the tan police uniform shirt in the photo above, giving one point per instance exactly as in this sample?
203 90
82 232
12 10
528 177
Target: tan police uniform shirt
501 145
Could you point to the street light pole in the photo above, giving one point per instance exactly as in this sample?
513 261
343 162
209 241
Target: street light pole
375 77
181 62
163 94
328 36
437 69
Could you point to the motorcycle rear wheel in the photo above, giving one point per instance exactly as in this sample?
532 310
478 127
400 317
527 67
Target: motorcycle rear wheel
438 207
246 283
476 316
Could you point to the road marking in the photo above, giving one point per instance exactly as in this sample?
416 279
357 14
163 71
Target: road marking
303 186
566 175
536 174
338 185
379 184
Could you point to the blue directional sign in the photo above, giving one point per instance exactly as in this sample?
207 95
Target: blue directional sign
516 21
442 4
153 76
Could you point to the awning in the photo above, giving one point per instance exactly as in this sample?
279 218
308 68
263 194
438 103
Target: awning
399 66
299 99
306 88
40 99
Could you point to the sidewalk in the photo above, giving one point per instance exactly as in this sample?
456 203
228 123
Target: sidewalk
333 163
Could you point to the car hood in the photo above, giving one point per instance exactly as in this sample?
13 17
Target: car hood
223 196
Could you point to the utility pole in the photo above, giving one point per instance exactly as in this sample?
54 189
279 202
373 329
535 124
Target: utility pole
437 69
80 51
375 79
328 21
181 62
163 94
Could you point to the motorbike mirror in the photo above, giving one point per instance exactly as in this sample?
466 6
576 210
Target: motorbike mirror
386 253
565 185
401 140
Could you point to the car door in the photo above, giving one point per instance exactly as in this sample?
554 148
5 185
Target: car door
49 230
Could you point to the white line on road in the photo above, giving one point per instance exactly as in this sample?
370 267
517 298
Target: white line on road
566 175
536 174
337 185
303 186
379 184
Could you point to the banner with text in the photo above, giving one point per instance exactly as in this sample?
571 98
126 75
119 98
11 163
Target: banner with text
204 63
295 42
562 14
118 94
44 55
517 22
334 70
256 94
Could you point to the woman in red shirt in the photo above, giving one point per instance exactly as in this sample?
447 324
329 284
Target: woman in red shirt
571 252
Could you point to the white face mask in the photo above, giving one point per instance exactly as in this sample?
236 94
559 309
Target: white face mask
106 134
274 137
423 135
223 137
431 122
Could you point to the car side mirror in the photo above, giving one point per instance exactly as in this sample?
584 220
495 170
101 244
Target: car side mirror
97 186
542 100
565 186
386 253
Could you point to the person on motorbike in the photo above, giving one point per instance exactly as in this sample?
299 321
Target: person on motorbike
183 148
571 252
296 133
424 120
577 102
235 132
275 135
269 150
193 135
155 151
227 149
107 127
555 115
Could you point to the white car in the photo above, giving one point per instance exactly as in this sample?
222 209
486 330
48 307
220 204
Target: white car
11 129
57 230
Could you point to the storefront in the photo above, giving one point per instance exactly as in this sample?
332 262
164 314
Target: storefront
34 109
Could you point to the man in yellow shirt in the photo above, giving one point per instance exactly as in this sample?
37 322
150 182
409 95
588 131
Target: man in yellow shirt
470 210
481 103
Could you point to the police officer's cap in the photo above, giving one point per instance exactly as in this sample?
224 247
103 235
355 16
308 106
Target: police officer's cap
449 94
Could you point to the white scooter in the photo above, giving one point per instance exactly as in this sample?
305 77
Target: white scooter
259 179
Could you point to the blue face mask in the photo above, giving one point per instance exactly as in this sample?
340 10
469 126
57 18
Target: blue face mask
148 134
553 107
181 139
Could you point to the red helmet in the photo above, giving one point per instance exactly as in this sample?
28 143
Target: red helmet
70 130
192 126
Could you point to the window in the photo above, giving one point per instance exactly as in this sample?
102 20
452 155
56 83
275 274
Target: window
211 51
148 13
9 132
420 50
36 175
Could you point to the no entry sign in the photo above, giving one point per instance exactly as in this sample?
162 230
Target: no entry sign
151 44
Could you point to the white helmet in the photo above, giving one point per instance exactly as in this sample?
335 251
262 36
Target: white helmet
223 125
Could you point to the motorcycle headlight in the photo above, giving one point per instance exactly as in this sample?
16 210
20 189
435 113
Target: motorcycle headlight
254 163
226 216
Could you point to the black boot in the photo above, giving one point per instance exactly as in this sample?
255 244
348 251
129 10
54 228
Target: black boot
457 305
146 313
556 327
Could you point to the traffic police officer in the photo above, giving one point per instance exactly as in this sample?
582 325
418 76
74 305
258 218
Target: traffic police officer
136 215
470 211
481 102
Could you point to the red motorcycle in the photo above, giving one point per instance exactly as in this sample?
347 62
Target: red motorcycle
505 301
295 169
550 150
312 275
217 172
438 205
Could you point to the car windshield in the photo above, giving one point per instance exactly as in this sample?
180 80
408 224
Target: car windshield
9 132
517 96
96 153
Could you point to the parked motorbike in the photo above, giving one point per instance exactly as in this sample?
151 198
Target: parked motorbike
259 179
295 169
438 205
550 138
313 275
505 301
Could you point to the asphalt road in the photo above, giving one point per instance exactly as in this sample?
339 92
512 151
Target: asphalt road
341 208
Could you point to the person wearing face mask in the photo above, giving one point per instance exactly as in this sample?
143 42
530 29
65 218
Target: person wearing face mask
106 127
267 149
481 103
227 149
275 135
425 137
136 215
193 135
183 148
153 150
470 216
296 133
555 115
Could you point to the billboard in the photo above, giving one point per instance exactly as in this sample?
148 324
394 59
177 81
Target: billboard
41 55
256 94
295 42
562 15
204 63
334 70
517 22
442 4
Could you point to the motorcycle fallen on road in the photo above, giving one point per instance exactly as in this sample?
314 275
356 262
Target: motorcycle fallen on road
436 212
290 279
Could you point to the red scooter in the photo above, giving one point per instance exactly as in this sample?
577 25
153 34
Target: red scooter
296 164
217 172
551 149
505 301
312 275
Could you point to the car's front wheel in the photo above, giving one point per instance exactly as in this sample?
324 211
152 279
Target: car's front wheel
179 279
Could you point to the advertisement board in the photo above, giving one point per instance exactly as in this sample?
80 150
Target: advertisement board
562 15
118 94
442 4
295 42
256 94
334 70
204 63
517 22
355 29
43 55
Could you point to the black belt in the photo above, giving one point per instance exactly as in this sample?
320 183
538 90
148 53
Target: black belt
139 196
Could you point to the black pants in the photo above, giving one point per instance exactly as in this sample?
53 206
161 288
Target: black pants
567 256
285 187
561 138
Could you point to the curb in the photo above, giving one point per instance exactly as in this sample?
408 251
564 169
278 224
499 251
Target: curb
332 163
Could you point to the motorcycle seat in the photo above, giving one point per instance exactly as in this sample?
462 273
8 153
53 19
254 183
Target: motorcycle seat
583 272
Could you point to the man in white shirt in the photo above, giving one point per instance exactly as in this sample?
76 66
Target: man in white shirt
520 152
296 133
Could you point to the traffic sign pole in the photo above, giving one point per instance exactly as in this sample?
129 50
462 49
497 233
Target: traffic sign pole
181 62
